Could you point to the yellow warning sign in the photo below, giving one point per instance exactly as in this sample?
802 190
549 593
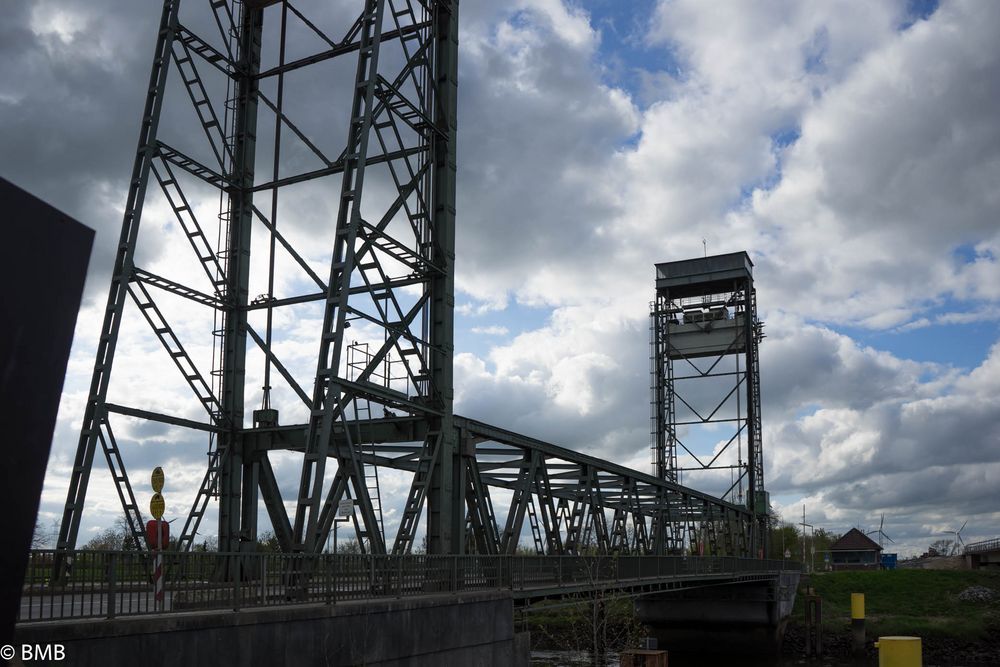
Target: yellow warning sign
156 479
156 506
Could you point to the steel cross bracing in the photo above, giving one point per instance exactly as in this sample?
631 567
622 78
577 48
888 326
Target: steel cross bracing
584 505
390 275
390 285
704 338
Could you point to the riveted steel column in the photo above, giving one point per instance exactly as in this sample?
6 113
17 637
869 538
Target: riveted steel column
238 275
445 502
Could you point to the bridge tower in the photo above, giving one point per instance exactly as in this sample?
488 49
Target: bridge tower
705 380
315 136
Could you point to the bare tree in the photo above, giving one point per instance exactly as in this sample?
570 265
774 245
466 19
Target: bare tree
940 547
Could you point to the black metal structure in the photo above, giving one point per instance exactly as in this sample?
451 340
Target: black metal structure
391 269
385 400
36 346
572 503
704 337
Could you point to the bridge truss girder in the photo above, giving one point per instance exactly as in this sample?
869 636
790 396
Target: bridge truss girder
573 503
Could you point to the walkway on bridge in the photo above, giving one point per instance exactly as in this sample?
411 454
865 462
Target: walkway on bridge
107 584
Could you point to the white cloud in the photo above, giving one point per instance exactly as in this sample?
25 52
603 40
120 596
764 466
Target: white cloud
490 330
889 178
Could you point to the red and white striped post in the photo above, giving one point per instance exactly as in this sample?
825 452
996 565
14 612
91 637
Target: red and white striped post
158 535
157 541
158 566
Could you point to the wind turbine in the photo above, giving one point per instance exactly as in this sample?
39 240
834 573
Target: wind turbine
879 531
959 542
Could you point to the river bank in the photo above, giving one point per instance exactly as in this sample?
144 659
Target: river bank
956 625
956 628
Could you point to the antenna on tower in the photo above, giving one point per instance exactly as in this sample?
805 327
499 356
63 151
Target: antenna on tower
704 247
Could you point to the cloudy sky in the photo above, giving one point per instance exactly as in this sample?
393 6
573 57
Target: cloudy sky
852 148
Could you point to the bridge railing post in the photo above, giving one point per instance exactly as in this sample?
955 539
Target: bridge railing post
334 577
262 570
235 574
326 563
112 581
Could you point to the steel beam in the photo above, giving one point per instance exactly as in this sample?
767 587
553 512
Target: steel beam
232 519
121 274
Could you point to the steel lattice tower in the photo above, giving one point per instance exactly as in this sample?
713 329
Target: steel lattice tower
391 272
704 338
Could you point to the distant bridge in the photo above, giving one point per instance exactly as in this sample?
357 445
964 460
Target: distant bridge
985 553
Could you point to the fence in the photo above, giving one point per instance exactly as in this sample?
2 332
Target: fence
107 584
985 545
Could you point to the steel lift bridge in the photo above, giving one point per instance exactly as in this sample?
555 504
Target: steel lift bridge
296 166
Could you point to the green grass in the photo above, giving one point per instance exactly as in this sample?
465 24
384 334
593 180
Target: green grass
908 602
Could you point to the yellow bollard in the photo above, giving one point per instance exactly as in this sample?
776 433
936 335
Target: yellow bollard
899 652
857 606
858 622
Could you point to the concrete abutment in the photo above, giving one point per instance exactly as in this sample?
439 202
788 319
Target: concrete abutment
467 629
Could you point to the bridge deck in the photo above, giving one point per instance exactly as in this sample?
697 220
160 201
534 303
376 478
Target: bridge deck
106 584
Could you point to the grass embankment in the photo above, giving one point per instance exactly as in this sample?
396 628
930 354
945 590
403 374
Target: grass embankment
908 602
917 603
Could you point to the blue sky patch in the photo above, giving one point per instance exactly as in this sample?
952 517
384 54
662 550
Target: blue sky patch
962 345
918 10
624 53
516 318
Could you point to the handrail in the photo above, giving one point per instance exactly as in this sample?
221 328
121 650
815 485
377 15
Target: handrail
107 584
984 545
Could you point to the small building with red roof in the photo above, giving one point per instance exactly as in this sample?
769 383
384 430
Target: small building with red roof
855 551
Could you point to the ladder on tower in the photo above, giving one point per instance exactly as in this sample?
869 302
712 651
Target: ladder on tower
363 411
208 489
227 13
133 517
418 491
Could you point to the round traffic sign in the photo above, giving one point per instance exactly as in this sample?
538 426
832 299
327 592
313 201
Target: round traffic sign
156 506
156 479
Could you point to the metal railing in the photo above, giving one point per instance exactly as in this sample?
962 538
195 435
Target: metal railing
108 584
983 546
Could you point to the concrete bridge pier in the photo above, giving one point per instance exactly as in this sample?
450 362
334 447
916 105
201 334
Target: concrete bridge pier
746 618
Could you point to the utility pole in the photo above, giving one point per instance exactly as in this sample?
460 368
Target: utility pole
804 526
